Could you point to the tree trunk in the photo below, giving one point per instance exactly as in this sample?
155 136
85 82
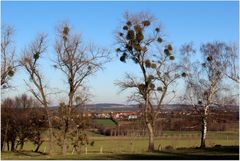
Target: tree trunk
1 145
67 121
36 150
64 147
2 142
149 125
21 145
64 143
50 131
38 146
12 145
151 137
8 145
5 140
50 128
203 132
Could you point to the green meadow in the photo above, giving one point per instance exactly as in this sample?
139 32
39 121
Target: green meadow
170 145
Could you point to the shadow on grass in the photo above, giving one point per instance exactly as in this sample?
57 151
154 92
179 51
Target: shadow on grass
215 153
224 149
30 154
173 156
23 155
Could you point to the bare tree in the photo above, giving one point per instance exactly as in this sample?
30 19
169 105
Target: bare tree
8 128
29 61
23 101
204 79
232 71
77 62
21 121
24 107
140 41
7 55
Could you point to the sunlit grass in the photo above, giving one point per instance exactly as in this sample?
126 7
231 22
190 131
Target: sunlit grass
131 145
104 122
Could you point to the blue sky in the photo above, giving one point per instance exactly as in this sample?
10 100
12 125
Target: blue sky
181 22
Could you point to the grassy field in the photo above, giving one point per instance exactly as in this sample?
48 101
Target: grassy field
105 122
123 147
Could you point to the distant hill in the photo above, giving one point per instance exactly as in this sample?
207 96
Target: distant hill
110 107
133 107
106 105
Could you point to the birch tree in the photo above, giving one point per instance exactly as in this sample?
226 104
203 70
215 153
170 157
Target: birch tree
204 79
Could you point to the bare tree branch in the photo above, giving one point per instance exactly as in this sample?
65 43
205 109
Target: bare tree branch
8 64
29 62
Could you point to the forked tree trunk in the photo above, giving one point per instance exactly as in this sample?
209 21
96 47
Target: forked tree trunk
203 132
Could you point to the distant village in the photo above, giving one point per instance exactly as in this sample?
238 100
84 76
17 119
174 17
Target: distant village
131 113
115 115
